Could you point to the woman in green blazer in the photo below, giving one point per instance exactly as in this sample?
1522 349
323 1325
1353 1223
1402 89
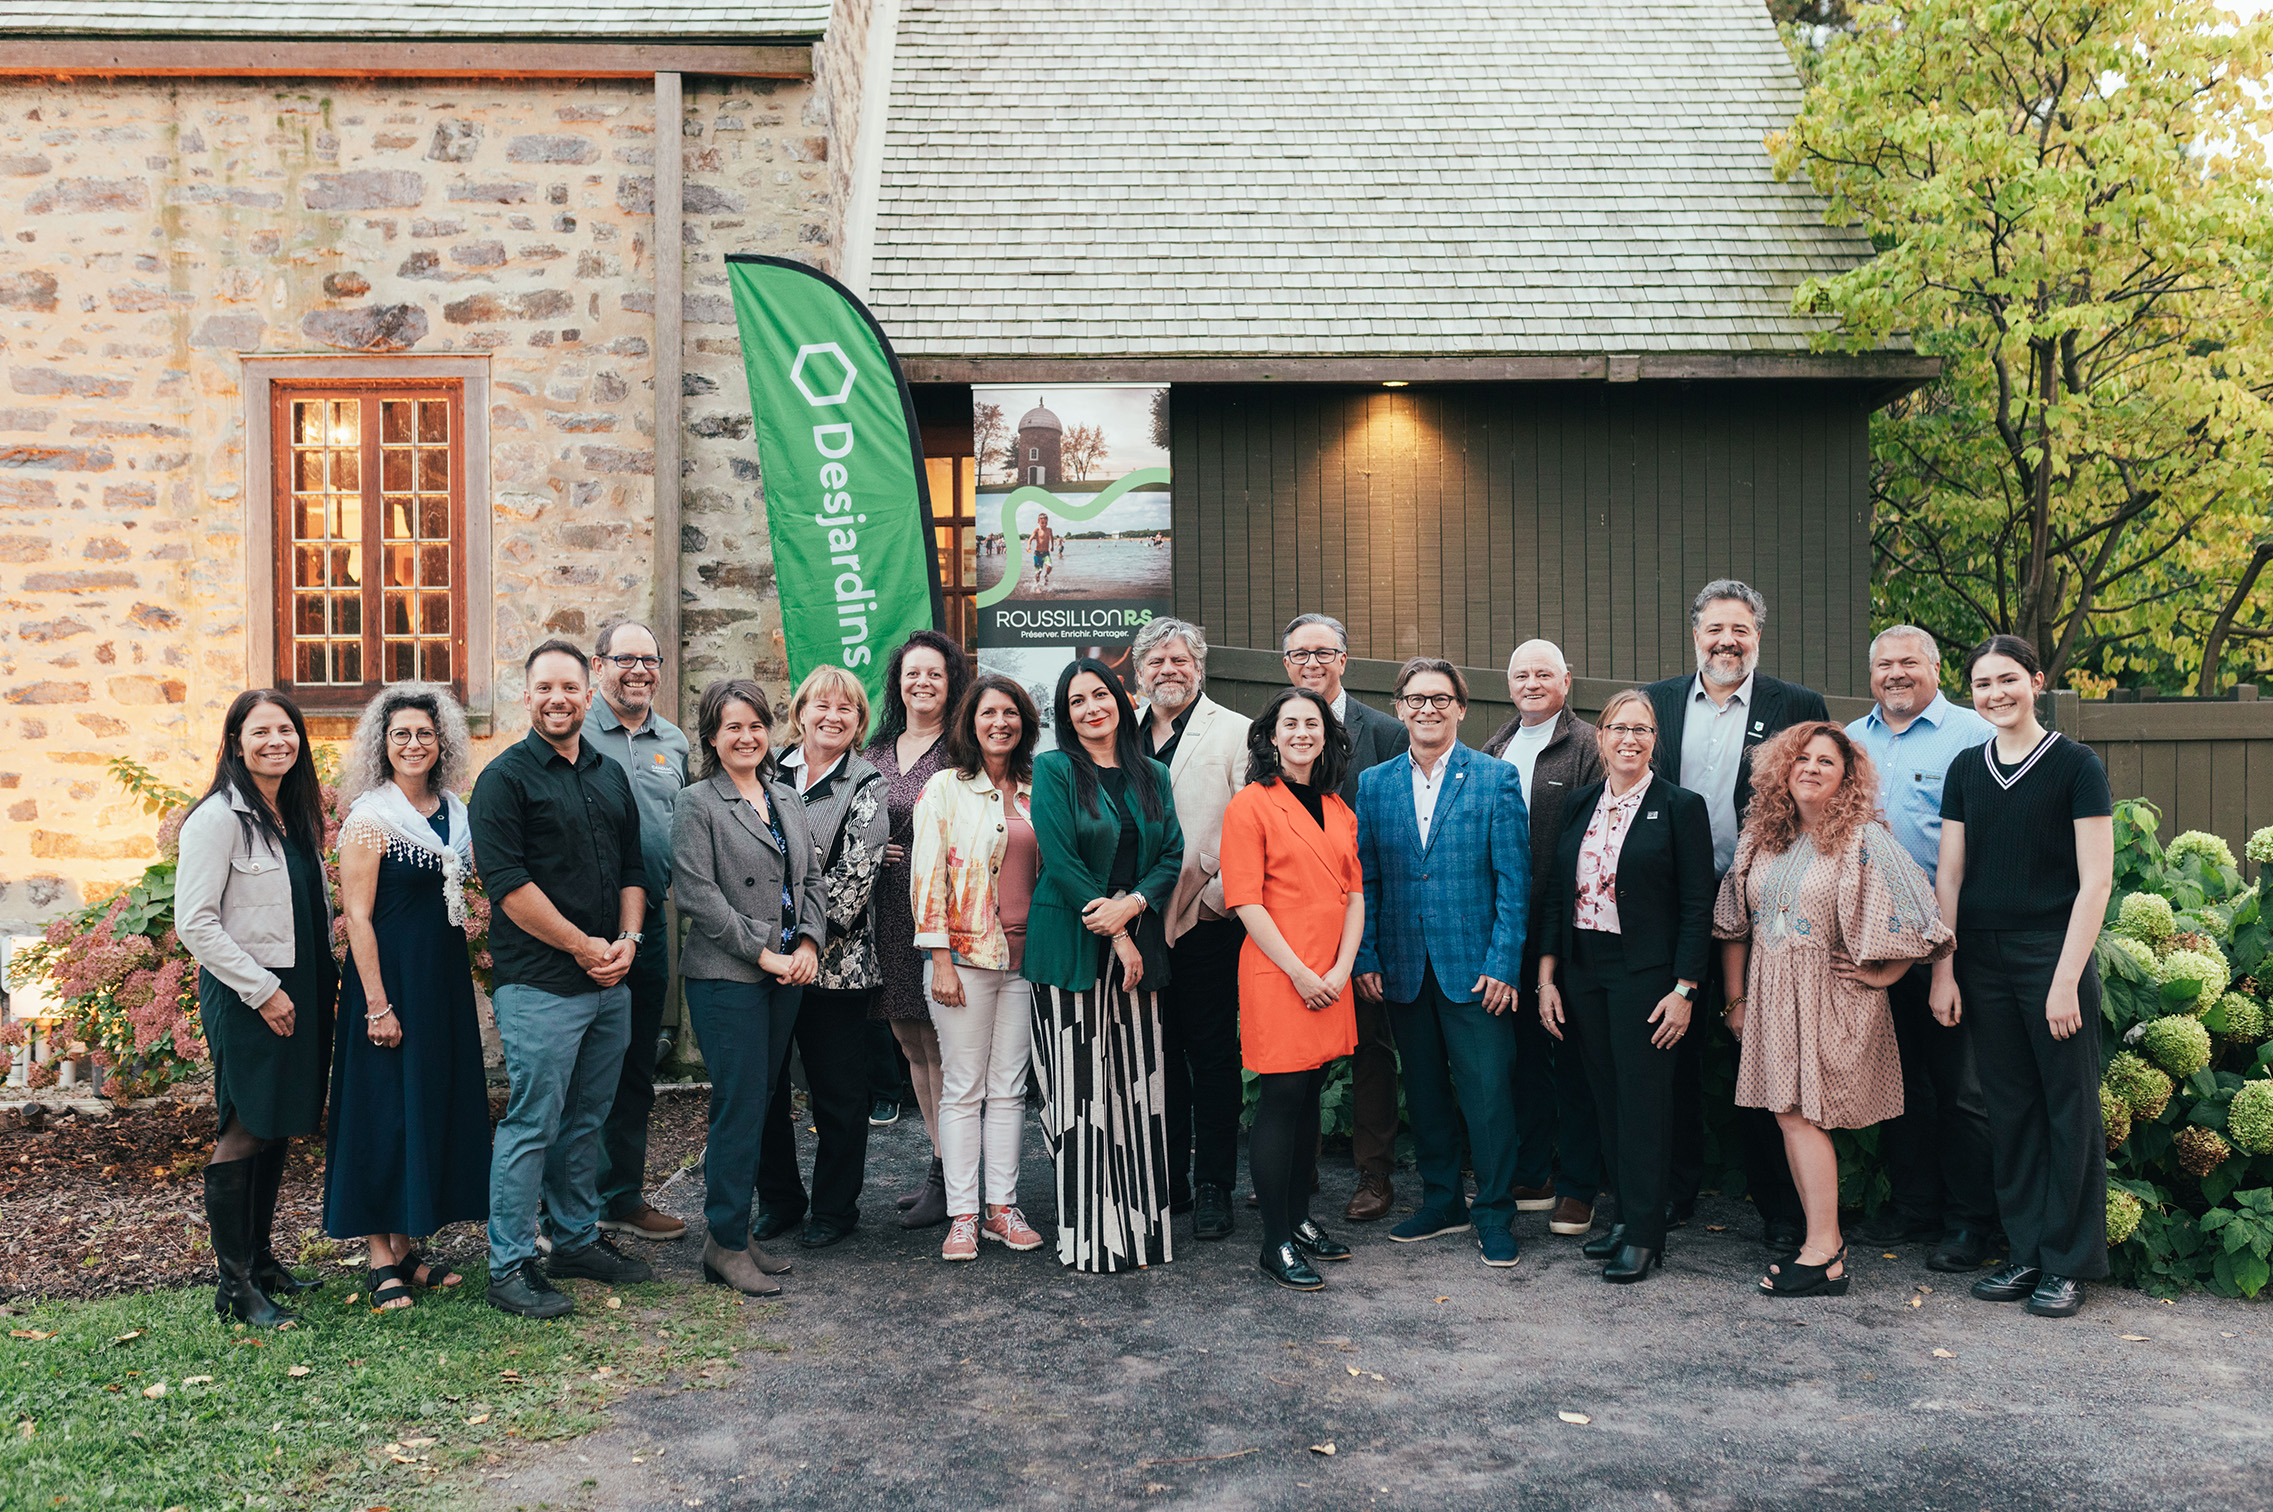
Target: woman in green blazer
1105 822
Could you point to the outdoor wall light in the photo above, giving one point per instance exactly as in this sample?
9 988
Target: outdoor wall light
1393 383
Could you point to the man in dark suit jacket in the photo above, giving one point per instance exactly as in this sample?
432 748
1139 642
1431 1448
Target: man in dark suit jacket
1708 724
1556 753
1316 649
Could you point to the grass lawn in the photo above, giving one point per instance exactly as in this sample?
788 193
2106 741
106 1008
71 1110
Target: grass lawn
147 1402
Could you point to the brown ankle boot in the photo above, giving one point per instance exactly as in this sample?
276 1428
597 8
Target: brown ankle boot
1374 1194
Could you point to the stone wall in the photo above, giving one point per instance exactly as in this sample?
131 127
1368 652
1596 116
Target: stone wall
151 232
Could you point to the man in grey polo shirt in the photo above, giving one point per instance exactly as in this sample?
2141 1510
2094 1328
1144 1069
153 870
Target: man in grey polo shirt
624 726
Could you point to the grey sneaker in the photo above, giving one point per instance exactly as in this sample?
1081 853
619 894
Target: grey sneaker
600 1261
524 1291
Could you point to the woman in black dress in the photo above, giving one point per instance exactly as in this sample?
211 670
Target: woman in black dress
409 1141
250 905
923 681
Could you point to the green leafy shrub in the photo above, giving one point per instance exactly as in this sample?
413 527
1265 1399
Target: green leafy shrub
2240 1018
2199 973
2200 1150
2146 917
2178 1044
2249 1118
2141 1088
2115 1117
2123 1214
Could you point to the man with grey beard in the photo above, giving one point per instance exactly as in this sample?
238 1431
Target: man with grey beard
1708 725
1204 746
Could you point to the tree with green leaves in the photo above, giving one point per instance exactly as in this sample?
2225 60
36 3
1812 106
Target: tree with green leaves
2067 196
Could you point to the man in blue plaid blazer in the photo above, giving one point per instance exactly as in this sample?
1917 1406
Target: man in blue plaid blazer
1446 845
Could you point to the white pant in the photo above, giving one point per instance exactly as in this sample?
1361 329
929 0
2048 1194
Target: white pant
983 1049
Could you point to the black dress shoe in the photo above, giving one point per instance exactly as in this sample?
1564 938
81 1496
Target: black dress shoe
600 1261
1887 1228
1960 1250
1603 1245
1632 1263
2009 1283
820 1233
1784 1237
773 1223
1211 1212
1678 1214
2056 1296
1285 1265
1316 1243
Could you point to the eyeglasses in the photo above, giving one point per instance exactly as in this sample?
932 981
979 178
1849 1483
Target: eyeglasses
649 663
1634 731
411 737
1313 658
1437 701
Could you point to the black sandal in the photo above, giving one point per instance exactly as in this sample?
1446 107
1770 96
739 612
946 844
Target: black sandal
387 1286
1791 1279
414 1261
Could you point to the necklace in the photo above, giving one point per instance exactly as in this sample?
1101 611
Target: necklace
1780 889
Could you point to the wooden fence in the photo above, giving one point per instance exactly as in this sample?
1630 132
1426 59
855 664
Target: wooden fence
2207 766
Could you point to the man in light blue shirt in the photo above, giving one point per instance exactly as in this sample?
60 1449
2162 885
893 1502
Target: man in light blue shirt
1937 1152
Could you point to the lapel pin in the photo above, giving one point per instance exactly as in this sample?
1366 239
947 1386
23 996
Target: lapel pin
1758 725
1652 814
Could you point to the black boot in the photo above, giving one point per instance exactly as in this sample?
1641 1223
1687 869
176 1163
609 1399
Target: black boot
1605 1245
930 1207
269 1273
229 1211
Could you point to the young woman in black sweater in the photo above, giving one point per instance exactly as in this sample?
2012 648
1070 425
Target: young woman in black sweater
2027 861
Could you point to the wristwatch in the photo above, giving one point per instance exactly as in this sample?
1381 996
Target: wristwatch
632 935
1685 991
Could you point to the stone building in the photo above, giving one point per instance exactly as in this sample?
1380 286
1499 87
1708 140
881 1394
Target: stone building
1040 439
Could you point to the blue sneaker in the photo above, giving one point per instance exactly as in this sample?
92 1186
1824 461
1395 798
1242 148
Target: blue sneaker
1499 1246
1429 1223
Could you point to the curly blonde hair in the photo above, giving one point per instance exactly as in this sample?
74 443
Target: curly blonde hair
366 766
1773 822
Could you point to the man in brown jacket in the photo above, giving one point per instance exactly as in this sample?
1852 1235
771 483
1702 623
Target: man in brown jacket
1556 753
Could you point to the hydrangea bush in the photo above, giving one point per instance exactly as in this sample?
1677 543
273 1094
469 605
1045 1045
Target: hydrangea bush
2185 1093
126 986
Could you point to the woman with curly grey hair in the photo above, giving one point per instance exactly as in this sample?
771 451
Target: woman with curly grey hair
409 1139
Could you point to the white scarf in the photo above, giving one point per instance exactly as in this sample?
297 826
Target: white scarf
384 820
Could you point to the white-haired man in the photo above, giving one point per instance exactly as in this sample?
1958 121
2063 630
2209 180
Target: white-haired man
1204 746
1708 723
1555 753
1938 1152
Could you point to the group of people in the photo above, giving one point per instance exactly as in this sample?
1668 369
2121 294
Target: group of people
1894 919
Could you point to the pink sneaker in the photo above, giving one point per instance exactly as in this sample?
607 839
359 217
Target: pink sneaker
1007 1225
962 1238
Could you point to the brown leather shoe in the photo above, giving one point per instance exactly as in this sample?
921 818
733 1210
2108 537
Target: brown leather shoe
1374 1194
1532 1199
1571 1216
644 1222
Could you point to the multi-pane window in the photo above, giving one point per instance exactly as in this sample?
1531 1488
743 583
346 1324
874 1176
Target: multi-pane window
954 482
370 540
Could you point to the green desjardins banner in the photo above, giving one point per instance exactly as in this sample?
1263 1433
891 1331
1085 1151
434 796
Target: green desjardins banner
847 504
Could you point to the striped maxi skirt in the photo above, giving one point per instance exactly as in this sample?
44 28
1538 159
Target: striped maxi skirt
1104 1123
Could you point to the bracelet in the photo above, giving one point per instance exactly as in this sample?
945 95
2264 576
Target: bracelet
386 1010
1732 1005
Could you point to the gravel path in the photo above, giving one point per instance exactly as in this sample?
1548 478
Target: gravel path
907 1383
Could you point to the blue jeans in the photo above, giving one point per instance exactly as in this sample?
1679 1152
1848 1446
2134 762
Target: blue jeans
1445 1044
564 1055
744 1030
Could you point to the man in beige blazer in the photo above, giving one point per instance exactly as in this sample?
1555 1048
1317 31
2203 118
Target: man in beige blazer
1204 746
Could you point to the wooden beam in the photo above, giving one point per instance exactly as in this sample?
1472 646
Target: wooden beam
1905 369
442 59
669 252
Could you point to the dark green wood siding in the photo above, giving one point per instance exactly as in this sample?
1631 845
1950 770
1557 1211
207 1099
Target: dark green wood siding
1459 520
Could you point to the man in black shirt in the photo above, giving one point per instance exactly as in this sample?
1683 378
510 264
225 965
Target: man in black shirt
556 839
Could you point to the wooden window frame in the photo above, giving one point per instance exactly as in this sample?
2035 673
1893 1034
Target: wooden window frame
955 515
270 384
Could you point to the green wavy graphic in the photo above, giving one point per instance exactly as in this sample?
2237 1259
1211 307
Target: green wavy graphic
1076 513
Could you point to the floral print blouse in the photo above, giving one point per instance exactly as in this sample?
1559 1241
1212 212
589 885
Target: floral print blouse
1598 852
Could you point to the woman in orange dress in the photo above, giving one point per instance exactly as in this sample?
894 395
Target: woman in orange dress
1290 871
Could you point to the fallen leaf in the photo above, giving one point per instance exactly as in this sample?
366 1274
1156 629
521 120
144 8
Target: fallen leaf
1579 1418
124 1337
603 1372
1929 1291
29 1333
1943 1354
197 1380
352 1299
1716 1228
1444 1299
1352 1369
1325 1448
2134 1338
297 1370
1377 1378
1917 1301
477 1420
615 1302
1888 1255
419 1443
155 1390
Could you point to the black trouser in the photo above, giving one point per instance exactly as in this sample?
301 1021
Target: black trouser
623 1138
1199 1034
1554 1104
1938 1152
885 1065
832 1041
2043 1094
1281 1146
1608 1005
1767 1169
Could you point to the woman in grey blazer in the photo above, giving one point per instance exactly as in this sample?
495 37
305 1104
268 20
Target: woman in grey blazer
251 906
743 875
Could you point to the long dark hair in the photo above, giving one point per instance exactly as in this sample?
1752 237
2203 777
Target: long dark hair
963 728
1127 747
299 797
958 679
2003 645
1263 754
710 713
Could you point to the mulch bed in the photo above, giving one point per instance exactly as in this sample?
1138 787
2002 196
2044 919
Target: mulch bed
94 1206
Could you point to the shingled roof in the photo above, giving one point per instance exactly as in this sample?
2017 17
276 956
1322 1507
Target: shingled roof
329 20
1092 178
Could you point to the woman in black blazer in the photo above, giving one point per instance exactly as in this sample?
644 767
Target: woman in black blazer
1628 914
